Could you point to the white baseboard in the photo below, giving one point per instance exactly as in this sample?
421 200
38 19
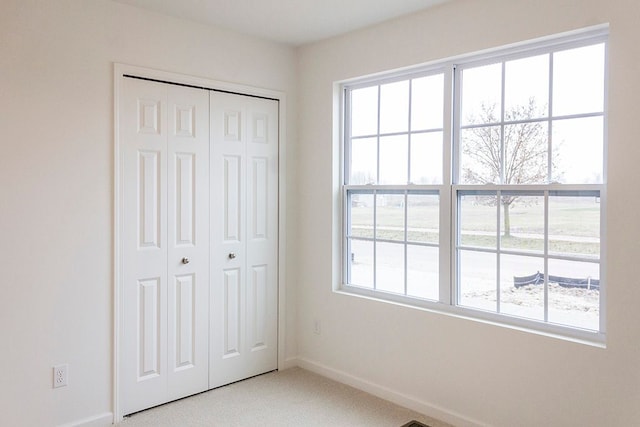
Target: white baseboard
102 420
291 362
396 397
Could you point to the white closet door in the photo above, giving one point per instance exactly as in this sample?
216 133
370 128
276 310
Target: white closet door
188 241
244 220
165 186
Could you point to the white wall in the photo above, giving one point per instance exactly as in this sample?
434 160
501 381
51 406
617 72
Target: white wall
56 220
485 374
56 191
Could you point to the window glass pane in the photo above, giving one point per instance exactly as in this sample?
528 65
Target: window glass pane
574 293
478 220
481 94
361 263
522 222
480 155
390 267
427 102
527 88
390 216
578 150
525 151
578 80
394 107
422 272
426 158
522 286
574 226
364 161
477 281
423 218
361 215
394 159
364 111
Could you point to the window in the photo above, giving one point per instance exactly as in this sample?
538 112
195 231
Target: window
394 185
478 186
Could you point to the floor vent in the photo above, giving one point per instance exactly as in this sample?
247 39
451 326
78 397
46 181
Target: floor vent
414 423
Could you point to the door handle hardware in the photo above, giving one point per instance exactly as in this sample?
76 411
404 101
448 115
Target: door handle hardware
185 260
232 255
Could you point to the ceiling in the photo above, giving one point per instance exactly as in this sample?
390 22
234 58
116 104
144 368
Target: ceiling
293 22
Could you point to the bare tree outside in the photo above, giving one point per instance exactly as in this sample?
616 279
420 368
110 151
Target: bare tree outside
524 148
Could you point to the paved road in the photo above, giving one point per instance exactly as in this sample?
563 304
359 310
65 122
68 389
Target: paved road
478 277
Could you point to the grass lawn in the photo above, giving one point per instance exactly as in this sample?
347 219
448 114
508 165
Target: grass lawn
574 224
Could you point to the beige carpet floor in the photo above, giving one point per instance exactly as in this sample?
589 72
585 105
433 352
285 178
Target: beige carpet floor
294 397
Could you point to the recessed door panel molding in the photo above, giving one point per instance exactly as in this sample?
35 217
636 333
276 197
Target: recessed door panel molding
185 120
260 128
232 313
185 318
257 307
185 203
232 197
232 129
149 116
260 187
149 199
149 328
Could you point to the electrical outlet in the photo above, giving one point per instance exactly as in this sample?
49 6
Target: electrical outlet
316 327
60 375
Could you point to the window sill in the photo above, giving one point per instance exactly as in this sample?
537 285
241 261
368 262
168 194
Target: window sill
564 333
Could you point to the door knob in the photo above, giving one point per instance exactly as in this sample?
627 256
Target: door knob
185 260
232 255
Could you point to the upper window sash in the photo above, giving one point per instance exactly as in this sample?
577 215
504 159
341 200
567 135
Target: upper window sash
397 119
531 109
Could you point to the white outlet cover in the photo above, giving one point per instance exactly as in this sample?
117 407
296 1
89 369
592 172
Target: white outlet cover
60 375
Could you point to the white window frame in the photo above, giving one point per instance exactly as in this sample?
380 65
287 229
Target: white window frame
442 189
448 190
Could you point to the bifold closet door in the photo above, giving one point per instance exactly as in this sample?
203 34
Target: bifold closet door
244 232
164 144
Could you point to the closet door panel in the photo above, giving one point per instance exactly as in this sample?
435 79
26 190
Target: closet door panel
143 136
164 144
188 246
244 143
